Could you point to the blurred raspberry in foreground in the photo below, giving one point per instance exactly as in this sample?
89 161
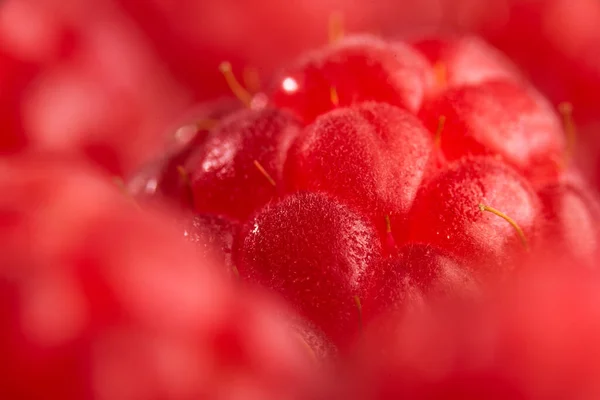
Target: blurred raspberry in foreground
536 339
101 300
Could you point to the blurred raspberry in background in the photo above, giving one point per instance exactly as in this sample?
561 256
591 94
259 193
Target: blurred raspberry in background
106 78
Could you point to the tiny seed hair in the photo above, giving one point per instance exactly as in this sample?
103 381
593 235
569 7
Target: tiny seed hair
440 71
251 79
566 111
336 27
388 224
120 183
264 172
359 311
185 177
334 97
508 219
206 124
234 85
437 138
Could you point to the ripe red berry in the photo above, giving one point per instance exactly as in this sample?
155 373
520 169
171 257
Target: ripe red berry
313 251
213 236
240 165
355 69
411 277
465 60
457 210
570 227
371 156
501 118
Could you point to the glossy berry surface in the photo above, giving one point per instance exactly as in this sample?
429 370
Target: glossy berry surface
358 68
371 156
412 276
499 118
447 213
224 175
465 60
313 251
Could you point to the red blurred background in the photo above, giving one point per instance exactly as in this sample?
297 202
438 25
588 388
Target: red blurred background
108 78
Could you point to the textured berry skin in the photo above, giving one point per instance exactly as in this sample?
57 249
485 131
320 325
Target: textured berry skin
223 174
371 156
112 304
359 68
466 60
411 277
570 227
446 213
499 118
213 236
313 251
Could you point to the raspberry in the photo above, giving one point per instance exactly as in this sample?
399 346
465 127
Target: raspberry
379 187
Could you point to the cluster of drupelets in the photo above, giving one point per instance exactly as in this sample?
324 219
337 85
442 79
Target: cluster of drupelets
414 203
372 174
